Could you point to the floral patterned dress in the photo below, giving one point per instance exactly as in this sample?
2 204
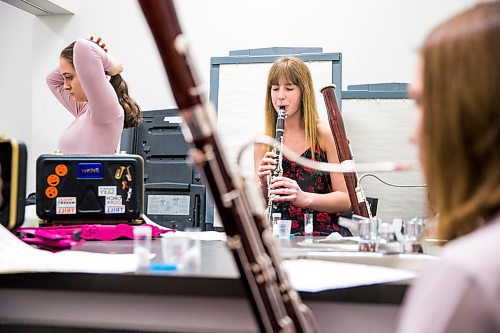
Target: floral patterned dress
314 181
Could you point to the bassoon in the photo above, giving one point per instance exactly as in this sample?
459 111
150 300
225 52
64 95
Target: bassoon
356 193
276 305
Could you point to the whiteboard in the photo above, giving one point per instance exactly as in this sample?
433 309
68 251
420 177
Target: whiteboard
240 115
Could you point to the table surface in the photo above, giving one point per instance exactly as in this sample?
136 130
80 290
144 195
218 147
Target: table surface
38 301
218 275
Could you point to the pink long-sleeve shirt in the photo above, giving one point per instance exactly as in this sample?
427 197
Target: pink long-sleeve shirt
98 122
460 293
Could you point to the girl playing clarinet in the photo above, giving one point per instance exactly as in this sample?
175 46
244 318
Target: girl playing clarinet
300 190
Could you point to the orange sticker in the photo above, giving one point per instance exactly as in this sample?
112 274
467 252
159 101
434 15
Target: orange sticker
61 170
51 192
53 180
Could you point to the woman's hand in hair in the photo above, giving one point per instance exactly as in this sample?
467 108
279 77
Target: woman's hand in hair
100 42
117 66
116 69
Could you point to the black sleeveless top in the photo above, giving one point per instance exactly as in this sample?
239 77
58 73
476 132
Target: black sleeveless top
314 181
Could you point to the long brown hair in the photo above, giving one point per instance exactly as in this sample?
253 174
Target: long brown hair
461 119
132 111
295 71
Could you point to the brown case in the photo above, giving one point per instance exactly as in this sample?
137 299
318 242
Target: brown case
13 161
88 189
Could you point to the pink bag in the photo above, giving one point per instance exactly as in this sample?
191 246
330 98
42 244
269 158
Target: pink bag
64 237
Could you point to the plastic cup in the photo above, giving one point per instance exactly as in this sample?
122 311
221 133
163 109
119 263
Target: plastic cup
285 226
173 248
275 218
181 252
367 238
308 224
142 246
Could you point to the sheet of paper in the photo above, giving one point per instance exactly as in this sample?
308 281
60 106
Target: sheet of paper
200 235
342 244
317 275
17 256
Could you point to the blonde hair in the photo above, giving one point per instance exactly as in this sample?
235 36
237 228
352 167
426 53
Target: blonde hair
461 119
295 71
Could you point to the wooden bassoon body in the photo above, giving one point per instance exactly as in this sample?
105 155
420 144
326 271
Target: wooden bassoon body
276 305
358 200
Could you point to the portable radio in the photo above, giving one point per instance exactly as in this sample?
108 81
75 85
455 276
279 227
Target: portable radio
79 189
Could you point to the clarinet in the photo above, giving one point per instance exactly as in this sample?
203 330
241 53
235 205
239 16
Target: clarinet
356 193
276 305
278 172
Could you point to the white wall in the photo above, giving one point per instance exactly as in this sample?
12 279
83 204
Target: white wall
16 55
379 131
378 40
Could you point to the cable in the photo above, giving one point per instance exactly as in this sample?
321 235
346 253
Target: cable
386 183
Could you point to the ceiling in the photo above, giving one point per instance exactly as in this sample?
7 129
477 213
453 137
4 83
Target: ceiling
38 7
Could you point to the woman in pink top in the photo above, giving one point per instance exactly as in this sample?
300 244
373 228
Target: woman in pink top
457 91
102 107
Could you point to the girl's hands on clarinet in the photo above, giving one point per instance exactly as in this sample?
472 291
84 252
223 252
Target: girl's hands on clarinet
266 167
286 189
117 66
283 188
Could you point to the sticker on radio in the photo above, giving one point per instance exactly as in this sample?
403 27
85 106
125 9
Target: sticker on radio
114 200
118 209
65 205
106 190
